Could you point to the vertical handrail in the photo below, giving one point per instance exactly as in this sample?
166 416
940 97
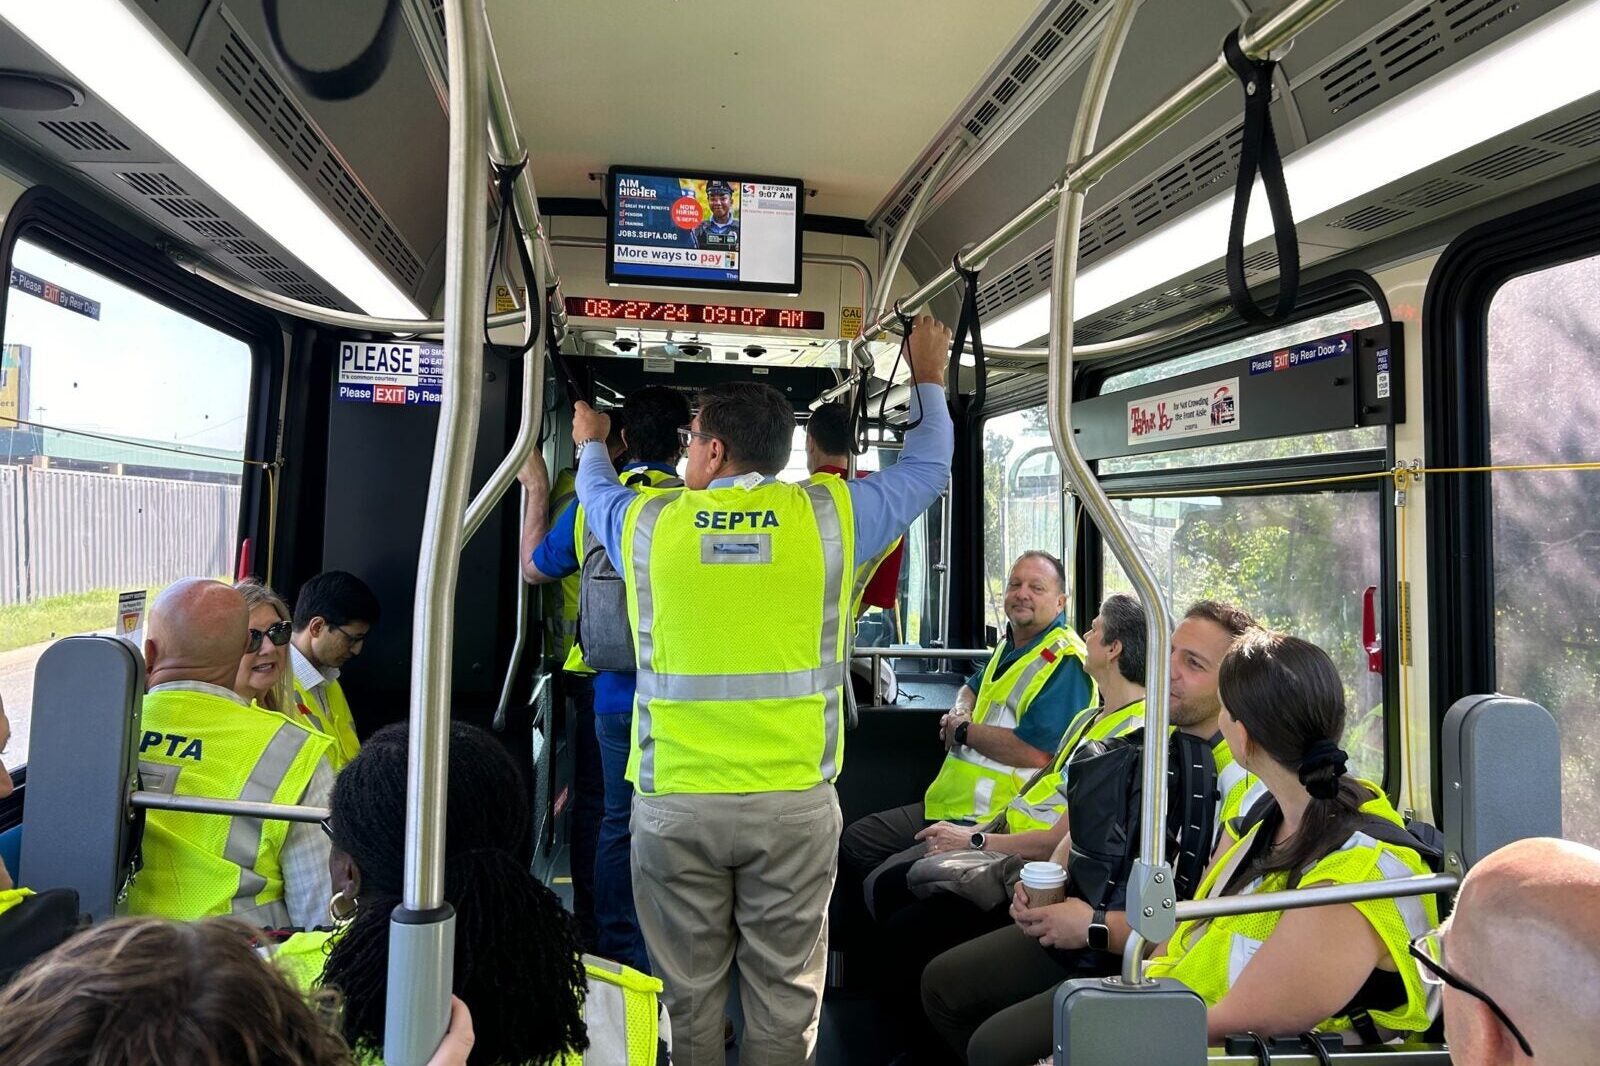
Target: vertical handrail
1149 919
422 929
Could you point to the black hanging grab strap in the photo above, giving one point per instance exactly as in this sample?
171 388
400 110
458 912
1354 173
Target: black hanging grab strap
1258 154
505 178
968 323
903 355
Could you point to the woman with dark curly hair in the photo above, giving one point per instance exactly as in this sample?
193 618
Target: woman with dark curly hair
535 999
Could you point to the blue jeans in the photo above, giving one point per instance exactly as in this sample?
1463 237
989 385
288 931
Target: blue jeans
616 922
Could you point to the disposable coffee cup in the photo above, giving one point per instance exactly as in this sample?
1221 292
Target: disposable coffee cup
1046 883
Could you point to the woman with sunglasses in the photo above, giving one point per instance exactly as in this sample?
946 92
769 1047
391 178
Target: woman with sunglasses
1344 968
264 671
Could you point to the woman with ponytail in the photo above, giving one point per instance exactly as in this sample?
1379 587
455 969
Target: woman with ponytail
535 1000
1342 968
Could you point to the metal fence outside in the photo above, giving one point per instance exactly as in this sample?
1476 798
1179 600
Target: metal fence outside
67 531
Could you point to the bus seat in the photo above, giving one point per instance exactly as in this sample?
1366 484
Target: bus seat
87 694
1098 1021
1501 764
11 851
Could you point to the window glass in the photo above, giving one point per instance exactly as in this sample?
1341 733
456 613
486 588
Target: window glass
122 429
1022 503
1544 402
1299 563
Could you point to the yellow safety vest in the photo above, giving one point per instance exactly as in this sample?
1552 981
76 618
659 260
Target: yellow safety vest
338 724
865 574
583 539
12 897
195 743
970 785
1041 804
1209 956
561 597
739 600
621 1012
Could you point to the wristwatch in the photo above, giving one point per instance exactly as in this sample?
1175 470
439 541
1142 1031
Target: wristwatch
961 733
977 841
1099 934
582 444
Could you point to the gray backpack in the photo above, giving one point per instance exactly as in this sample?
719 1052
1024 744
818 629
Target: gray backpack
604 635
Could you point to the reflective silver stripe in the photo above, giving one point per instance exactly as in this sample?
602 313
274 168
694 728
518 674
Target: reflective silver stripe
1029 672
1039 812
244 834
643 529
833 652
713 687
1230 778
605 1017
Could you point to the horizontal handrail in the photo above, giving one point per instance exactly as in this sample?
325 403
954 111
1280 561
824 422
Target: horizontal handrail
283 812
922 653
1322 896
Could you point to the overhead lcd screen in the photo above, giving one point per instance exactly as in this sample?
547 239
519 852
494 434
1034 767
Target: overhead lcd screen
704 230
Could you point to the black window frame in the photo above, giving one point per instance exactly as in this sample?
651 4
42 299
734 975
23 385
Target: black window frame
1455 345
1324 296
51 219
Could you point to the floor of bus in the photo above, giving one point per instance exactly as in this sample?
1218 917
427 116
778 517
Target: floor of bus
851 1033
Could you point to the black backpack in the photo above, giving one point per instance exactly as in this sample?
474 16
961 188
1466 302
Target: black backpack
604 633
1105 784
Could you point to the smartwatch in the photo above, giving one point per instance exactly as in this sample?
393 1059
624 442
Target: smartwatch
977 841
961 733
1099 934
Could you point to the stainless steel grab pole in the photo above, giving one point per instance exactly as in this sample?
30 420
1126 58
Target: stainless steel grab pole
422 930
1324 896
902 234
1147 917
167 801
1267 32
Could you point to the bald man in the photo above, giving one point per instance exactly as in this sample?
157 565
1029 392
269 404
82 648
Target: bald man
1526 934
199 739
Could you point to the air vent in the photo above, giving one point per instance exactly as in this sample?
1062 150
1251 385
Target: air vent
1407 46
1196 174
152 184
1349 80
1370 218
85 136
275 113
1034 58
1581 132
1433 192
225 238
1508 161
1467 17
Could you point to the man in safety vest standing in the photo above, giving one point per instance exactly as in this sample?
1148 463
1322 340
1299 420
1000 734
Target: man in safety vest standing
199 739
1007 722
739 594
333 615
650 420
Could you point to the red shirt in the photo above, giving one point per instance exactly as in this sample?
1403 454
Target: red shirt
883 588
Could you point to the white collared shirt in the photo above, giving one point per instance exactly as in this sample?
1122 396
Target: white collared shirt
312 678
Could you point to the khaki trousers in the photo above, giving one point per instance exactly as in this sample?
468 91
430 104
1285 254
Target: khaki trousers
742 876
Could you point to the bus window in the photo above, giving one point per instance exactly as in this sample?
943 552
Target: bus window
122 431
1544 402
1299 561
1023 507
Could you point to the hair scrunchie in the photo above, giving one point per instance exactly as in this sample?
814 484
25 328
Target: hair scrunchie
1323 753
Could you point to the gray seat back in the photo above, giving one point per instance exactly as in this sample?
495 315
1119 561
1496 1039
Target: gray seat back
1501 761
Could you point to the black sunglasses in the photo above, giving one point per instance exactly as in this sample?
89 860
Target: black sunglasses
277 632
1428 950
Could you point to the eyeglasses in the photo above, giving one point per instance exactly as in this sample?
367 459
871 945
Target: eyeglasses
350 638
327 826
686 435
277 633
1428 949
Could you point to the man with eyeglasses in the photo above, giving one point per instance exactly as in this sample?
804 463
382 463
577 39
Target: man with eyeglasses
333 616
739 595
199 738
1519 960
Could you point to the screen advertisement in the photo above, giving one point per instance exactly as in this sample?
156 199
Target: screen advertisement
703 231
